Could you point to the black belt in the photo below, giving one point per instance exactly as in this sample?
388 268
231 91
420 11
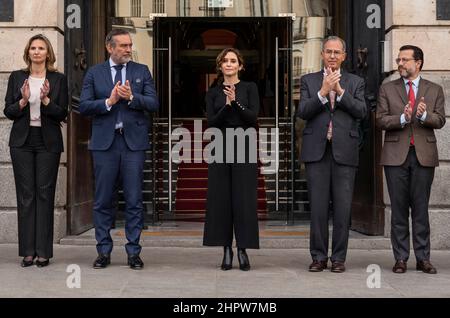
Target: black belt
119 131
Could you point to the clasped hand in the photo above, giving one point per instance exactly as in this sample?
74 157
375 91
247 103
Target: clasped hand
421 109
230 92
331 82
25 91
120 92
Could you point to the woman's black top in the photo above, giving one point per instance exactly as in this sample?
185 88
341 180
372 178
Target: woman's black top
243 112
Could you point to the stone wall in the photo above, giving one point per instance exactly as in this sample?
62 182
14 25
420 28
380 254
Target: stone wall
30 17
418 26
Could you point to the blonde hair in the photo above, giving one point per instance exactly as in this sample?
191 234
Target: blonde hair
51 57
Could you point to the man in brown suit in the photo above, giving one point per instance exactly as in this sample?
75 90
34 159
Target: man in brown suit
409 109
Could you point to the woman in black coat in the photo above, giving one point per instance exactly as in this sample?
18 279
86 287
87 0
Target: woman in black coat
36 100
232 187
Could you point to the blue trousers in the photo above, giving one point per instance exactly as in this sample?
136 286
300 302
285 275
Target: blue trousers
116 164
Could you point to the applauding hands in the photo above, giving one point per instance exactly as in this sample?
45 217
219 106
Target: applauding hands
120 92
45 90
331 82
26 93
421 109
230 92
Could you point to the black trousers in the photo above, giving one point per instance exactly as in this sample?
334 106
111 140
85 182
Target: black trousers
329 180
35 174
232 204
409 186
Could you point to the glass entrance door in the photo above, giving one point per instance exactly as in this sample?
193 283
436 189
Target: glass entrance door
184 54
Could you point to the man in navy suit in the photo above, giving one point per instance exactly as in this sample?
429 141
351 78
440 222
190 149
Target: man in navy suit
117 94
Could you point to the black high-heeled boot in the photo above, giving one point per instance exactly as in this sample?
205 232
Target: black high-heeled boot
244 263
42 263
27 261
227 262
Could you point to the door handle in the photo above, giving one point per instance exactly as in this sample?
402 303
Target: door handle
80 59
362 58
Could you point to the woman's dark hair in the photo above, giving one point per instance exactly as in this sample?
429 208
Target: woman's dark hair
221 58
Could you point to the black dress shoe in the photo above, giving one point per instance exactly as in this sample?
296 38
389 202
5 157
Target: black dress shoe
135 262
400 267
244 263
337 267
27 263
42 263
318 266
102 261
426 267
227 262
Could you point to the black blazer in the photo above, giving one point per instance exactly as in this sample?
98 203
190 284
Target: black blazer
345 116
221 116
51 115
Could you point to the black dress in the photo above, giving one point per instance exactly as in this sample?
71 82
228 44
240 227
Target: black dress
232 187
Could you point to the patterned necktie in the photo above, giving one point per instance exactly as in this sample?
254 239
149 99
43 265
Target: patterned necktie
412 102
118 78
330 126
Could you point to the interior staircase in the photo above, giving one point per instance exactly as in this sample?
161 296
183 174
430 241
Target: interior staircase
185 198
192 183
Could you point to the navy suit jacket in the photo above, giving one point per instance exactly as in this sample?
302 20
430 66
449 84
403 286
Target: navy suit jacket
345 117
97 87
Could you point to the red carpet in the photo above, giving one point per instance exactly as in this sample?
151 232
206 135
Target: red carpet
192 184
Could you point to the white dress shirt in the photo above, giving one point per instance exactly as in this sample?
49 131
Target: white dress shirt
35 100
415 86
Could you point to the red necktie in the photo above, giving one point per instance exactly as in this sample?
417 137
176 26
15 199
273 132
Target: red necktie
412 102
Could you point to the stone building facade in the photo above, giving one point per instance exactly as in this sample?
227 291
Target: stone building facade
418 25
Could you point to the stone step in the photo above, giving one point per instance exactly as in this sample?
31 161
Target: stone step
194 238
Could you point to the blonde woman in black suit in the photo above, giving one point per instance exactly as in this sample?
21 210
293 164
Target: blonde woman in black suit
36 100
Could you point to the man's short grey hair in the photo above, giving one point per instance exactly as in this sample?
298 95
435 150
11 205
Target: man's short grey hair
334 38
110 37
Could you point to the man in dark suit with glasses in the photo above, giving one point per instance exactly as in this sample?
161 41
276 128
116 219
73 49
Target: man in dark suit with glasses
332 103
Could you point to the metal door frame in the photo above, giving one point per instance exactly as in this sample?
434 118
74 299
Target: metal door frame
158 49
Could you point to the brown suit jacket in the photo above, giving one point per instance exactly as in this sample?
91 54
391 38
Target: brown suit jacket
391 103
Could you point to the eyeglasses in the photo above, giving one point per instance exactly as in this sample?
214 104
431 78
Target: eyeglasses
403 60
331 52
